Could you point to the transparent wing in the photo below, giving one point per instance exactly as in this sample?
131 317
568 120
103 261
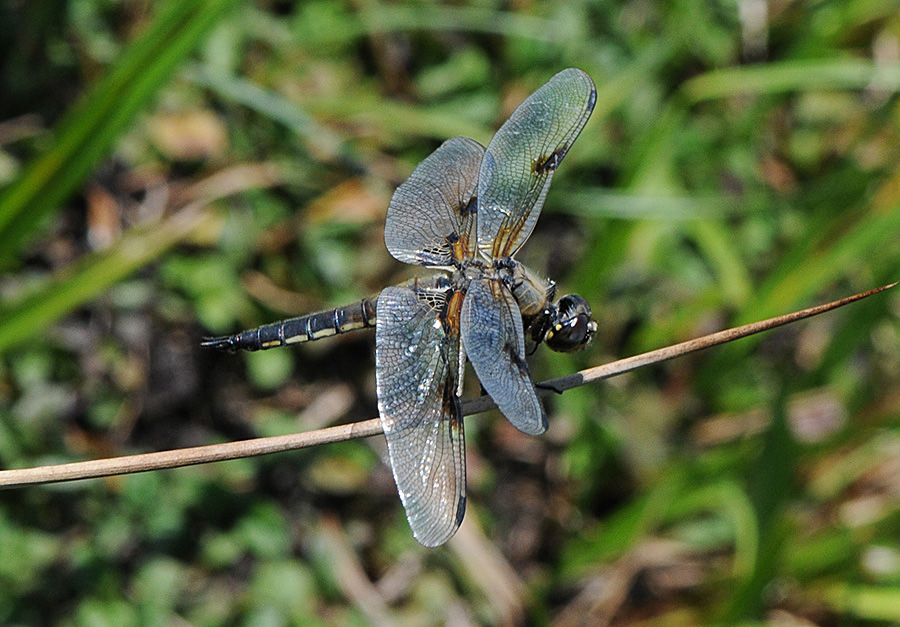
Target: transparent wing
430 217
495 344
522 157
416 372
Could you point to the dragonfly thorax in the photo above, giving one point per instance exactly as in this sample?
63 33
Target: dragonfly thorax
564 325
533 293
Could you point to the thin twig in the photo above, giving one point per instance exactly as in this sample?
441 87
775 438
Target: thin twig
264 446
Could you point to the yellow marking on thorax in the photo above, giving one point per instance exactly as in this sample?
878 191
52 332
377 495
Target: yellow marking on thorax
453 309
461 247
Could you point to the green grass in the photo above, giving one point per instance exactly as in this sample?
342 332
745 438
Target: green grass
174 170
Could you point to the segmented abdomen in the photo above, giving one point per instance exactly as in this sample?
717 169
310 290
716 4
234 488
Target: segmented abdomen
314 326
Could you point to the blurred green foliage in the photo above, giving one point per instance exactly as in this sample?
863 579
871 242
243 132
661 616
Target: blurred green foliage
170 170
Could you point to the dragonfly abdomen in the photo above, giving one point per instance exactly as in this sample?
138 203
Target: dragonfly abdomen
314 326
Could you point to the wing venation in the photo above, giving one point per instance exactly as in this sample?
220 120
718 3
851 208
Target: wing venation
523 156
417 376
431 216
494 341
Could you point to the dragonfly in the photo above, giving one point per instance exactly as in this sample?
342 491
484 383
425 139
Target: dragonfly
465 211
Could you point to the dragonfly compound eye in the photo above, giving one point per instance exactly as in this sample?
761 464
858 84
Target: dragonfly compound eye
573 328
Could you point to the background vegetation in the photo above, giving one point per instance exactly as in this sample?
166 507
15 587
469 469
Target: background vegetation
171 170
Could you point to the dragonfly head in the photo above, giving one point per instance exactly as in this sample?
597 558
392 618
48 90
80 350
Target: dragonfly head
572 329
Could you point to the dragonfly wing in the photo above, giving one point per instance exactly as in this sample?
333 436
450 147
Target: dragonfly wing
521 159
417 372
495 344
431 215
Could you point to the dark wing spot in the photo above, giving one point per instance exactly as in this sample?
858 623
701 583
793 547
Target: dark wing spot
592 101
452 409
453 237
548 163
470 207
460 510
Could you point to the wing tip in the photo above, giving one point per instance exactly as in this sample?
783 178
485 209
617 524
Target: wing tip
434 535
532 427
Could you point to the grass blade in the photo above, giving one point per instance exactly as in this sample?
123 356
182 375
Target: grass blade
86 134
